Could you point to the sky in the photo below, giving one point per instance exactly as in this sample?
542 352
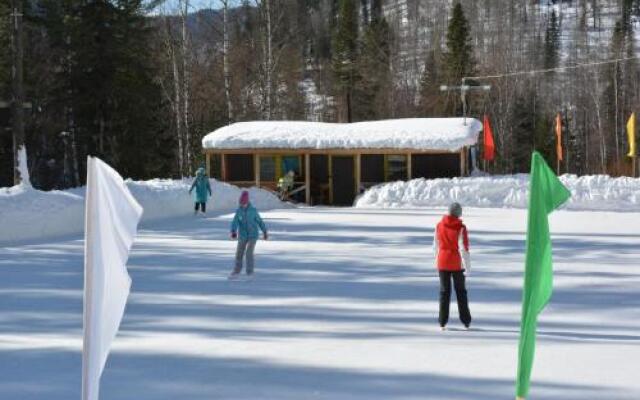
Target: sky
194 5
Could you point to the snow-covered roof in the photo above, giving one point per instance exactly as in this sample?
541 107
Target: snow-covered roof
447 134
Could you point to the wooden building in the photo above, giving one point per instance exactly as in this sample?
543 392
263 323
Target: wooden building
332 163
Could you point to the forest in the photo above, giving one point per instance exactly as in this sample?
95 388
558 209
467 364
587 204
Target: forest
139 83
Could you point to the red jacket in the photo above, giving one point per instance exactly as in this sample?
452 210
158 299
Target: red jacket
450 233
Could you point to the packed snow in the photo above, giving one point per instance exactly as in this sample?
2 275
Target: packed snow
447 134
597 192
30 214
344 307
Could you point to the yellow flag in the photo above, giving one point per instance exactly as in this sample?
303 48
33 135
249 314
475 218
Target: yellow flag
631 133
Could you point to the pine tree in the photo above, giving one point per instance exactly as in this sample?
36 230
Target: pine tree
371 95
104 82
552 42
458 59
5 48
430 96
344 44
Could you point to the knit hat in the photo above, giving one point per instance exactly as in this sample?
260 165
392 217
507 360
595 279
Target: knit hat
455 209
244 198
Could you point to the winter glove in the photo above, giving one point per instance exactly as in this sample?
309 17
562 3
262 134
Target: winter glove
266 236
234 235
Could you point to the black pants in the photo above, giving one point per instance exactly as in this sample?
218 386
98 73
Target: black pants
461 296
203 205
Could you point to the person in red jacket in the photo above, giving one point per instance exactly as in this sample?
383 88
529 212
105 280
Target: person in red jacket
451 249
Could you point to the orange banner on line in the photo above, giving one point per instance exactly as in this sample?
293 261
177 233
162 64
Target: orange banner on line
489 146
559 137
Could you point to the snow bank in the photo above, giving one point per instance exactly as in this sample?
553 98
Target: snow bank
27 213
598 192
447 134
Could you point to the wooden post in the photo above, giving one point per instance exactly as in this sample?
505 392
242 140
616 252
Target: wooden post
330 164
208 158
223 167
307 178
17 86
256 169
358 172
409 171
462 162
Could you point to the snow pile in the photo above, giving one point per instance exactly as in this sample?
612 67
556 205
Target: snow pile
27 213
447 134
598 192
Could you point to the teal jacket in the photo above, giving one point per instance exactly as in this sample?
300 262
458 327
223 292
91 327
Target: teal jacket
202 186
246 223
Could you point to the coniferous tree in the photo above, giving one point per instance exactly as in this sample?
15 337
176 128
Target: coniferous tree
552 42
430 96
5 55
458 59
344 44
371 95
104 84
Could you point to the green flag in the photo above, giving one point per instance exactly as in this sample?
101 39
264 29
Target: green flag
546 193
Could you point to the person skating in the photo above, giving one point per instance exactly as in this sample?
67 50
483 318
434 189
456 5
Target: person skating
451 249
203 187
244 227
285 185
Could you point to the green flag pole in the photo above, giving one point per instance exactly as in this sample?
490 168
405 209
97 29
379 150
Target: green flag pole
546 193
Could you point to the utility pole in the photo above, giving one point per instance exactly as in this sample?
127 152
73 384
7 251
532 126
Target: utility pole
17 100
464 88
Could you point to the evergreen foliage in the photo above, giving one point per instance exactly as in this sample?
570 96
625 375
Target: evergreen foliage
5 49
373 87
458 59
552 42
344 45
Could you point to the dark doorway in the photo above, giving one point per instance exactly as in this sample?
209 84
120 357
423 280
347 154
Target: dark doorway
342 172
240 168
431 166
319 179
372 166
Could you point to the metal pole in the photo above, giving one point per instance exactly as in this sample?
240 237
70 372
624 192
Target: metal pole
463 97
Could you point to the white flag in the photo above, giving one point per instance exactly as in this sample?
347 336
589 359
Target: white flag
111 220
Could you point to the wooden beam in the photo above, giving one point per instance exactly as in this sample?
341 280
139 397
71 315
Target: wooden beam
307 178
462 162
358 172
256 168
208 158
330 164
223 167
346 152
409 171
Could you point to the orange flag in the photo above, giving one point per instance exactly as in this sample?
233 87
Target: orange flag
559 137
489 146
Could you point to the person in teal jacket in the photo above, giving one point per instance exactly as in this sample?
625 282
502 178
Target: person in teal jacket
245 227
202 186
